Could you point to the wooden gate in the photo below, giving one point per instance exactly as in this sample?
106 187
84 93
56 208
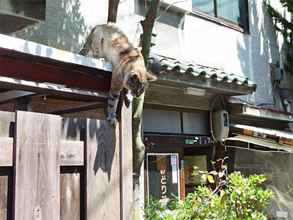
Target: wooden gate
55 168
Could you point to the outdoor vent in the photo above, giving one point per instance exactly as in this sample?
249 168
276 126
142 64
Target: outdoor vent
221 125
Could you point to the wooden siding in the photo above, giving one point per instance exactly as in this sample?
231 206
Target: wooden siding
64 168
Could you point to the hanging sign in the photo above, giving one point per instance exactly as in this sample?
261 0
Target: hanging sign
163 175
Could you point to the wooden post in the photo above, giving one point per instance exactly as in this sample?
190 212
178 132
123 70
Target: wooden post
102 171
37 169
126 167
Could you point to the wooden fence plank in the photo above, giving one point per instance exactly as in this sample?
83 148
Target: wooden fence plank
71 153
126 170
102 171
5 193
70 194
7 120
6 151
3 197
37 169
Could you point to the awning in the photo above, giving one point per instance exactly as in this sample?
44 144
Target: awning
264 137
267 143
237 107
264 131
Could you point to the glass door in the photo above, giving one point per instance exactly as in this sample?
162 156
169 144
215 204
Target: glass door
193 164
163 175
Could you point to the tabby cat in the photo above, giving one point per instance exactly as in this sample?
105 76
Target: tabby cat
129 71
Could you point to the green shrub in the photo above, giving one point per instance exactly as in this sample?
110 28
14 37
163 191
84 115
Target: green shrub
240 198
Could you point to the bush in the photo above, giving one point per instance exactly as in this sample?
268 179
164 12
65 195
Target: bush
241 198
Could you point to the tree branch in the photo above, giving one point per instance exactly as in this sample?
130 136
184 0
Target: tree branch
113 10
147 26
138 145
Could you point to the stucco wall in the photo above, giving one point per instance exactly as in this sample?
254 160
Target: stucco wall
179 35
66 23
193 38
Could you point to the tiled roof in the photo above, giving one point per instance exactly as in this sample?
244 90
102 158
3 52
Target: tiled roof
165 65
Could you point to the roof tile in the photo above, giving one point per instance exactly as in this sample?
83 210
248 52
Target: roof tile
160 64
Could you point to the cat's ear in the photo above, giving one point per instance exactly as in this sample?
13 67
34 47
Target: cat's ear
151 77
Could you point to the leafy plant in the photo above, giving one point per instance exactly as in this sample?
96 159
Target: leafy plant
156 210
239 198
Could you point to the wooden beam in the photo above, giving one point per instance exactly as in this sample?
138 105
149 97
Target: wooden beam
71 152
81 108
18 47
91 79
94 114
13 94
49 88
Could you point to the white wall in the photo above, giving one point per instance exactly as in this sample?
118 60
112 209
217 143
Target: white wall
211 44
68 22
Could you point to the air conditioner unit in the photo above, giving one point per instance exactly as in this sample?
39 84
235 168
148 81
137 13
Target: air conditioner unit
220 125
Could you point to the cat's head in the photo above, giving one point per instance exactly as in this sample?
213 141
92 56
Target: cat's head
138 81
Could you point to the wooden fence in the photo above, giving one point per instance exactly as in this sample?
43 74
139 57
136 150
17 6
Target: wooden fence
55 168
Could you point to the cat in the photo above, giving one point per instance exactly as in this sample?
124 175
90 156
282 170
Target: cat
129 72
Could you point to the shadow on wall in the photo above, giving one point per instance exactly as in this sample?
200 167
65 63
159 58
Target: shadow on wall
100 139
63 28
102 166
255 51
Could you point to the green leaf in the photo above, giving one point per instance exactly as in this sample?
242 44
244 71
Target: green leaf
210 179
223 198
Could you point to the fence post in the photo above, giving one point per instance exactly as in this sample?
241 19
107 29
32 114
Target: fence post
37 169
126 167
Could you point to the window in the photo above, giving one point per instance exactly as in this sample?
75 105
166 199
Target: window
17 14
206 6
234 11
175 122
34 9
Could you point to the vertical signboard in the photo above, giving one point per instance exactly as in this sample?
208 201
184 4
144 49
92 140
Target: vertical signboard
163 175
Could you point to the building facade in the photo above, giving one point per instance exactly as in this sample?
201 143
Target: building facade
217 61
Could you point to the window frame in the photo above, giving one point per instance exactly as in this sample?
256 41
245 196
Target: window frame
221 20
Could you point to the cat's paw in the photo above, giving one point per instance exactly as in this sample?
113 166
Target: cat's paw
128 99
127 102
